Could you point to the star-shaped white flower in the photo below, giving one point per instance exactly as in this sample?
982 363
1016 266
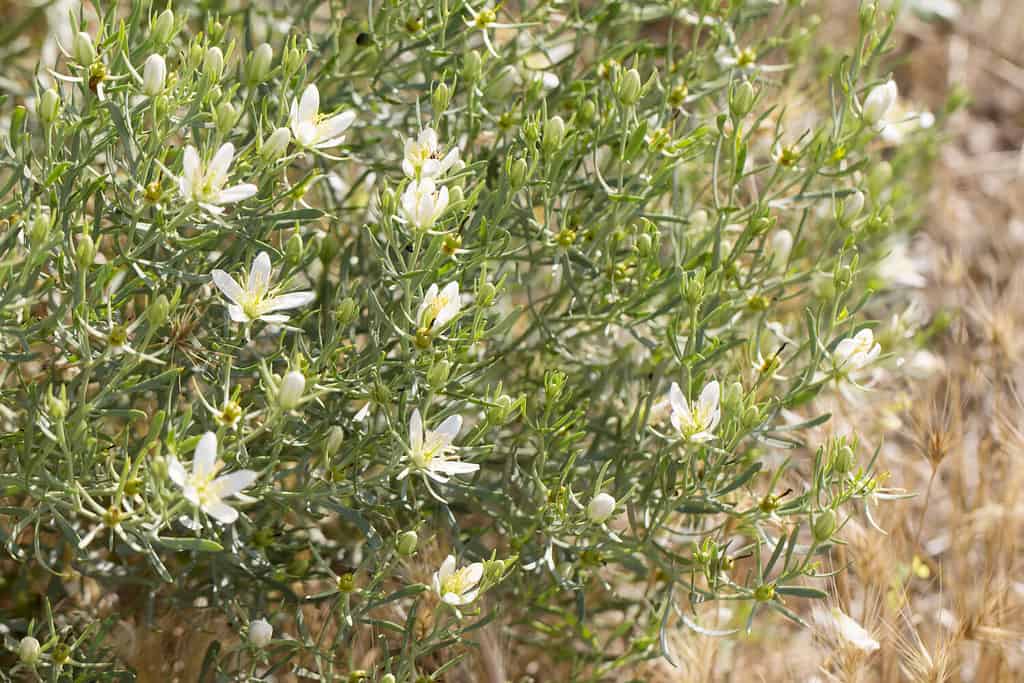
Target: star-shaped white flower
203 488
458 587
423 203
438 308
205 185
257 300
857 351
696 421
431 452
310 128
424 157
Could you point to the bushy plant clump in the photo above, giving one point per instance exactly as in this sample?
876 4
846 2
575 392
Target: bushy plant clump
367 328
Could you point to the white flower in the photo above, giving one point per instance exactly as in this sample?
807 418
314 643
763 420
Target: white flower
205 185
153 75
310 128
260 632
202 489
422 203
458 586
424 157
696 421
431 451
879 102
781 244
600 508
849 630
289 393
256 300
858 350
438 308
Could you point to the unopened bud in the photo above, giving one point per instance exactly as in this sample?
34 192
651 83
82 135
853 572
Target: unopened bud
226 117
82 49
880 102
554 134
158 311
600 508
628 87
407 542
85 252
49 106
472 66
275 146
741 99
438 374
213 63
335 437
440 98
154 75
258 67
824 526
260 632
29 650
293 248
850 208
162 28
347 311
517 173
290 391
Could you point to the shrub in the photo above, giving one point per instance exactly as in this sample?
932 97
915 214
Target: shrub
361 331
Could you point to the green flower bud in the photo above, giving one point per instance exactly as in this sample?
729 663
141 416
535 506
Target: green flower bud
501 410
347 311
517 174
85 252
332 442
440 98
57 405
290 390
554 134
213 63
276 145
158 311
293 248
388 678
628 87
49 106
741 99
406 543
292 58
154 75
454 195
587 111
162 28
472 66
438 374
39 228
843 459
257 69
824 526
82 49
226 117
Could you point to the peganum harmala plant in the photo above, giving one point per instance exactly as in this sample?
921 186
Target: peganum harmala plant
370 327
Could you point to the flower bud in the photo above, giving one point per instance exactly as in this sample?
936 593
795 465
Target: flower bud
226 116
741 99
781 244
29 650
517 172
880 102
347 311
850 208
162 28
158 311
332 443
407 542
154 75
213 63
82 49
39 228
57 405
438 374
440 98
85 252
49 106
388 678
292 58
628 87
293 248
260 632
824 526
275 146
258 68
289 393
600 508
472 66
554 134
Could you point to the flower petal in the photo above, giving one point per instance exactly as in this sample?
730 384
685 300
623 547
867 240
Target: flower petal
221 511
237 193
332 128
259 274
449 429
290 300
230 484
416 431
205 456
228 286
189 170
709 396
176 471
217 171
237 314
309 105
